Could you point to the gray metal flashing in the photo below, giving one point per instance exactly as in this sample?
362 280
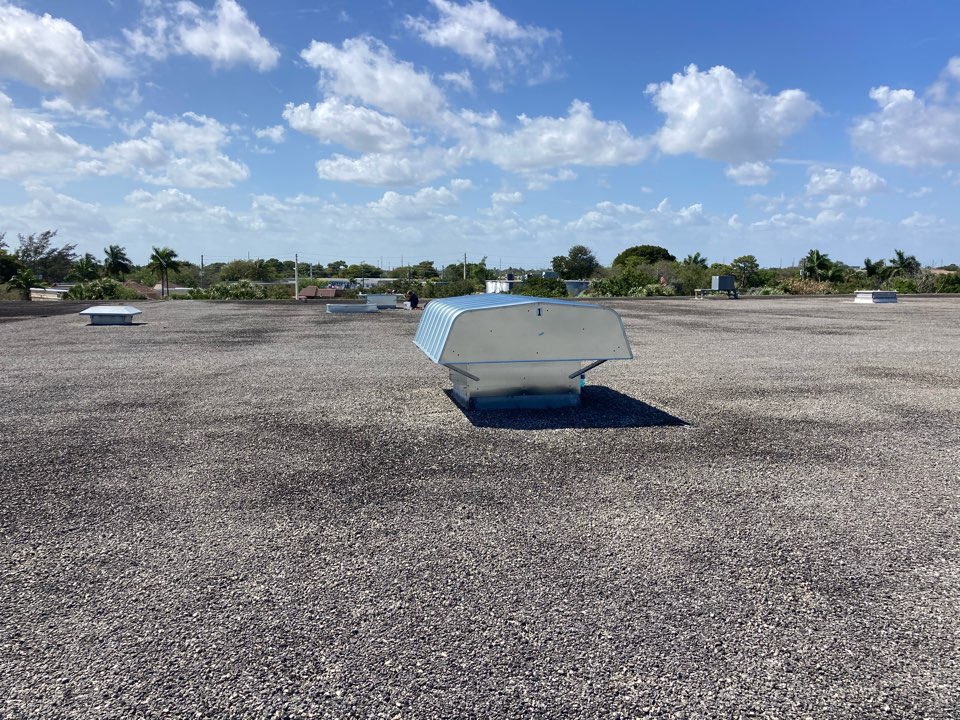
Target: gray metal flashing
507 351
497 328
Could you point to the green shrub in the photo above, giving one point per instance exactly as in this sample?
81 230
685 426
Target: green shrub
449 289
240 290
947 283
847 287
653 290
621 285
277 292
903 286
541 287
804 286
688 278
102 289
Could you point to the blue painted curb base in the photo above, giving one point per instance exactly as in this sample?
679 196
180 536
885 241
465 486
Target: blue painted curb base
111 320
520 402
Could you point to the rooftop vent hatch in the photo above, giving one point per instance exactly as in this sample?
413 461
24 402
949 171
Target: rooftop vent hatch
352 308
111 314
875 296
508 351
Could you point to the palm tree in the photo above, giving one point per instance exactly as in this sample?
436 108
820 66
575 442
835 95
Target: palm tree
23 280
816 265
162 261
873 269
116 263
695 260
876 271
903 265
837 273
86 268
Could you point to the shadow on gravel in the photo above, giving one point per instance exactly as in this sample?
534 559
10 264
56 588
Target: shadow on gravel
133 324
600 407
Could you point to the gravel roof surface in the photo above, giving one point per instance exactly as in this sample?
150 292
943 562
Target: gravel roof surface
262 510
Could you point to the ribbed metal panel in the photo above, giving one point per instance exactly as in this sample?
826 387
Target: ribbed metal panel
440 316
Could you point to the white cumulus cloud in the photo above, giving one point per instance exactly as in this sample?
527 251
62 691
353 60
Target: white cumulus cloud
716 114
577 139
189 133
274 134
460 80
910 130
506 198
630 221
366 70
62 107
224 35
837 188
357 128
187 151
750 173
921 220
21 130
416 205
858 181
170 200
51 54
73 216
479 32
32 146
411 168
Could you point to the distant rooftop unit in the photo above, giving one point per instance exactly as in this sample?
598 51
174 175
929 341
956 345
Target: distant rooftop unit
111 314
723 283
312 291
383 301
507 351
875 296
353 308
48 293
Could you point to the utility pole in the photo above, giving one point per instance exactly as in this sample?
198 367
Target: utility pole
296 276
464 266
201 271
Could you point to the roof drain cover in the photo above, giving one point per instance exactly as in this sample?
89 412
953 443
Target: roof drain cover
509 352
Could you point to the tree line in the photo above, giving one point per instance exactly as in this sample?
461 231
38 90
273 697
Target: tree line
636 271
653 270
37 262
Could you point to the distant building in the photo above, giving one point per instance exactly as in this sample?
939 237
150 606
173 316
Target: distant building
172 290
365 283
501 286
312 291
48 293
576 288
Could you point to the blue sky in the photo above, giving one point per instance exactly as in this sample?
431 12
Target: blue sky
389 131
